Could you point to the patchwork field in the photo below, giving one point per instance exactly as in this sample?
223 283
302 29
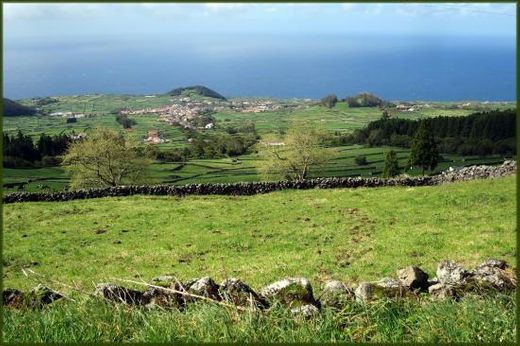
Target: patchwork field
242 169
97 110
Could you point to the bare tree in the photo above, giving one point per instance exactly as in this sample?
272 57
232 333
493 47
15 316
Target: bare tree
104 158
299 153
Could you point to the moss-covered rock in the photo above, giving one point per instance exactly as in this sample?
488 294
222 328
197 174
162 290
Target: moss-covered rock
290 292
384 288
413 278
119 294
167 297
336 294
238 293
204 287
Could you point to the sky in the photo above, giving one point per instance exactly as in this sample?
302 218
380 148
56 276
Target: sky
66 21
260 49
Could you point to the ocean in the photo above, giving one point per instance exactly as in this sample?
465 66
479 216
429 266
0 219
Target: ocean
283 66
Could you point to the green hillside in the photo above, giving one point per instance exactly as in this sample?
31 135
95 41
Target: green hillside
197 90
12 108
348 234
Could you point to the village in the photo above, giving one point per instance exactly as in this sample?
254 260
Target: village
184 110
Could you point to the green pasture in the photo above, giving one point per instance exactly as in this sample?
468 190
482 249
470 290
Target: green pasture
347 234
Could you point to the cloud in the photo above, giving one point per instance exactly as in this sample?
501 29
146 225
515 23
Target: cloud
361 8
220 7
419 9
456 9
27 11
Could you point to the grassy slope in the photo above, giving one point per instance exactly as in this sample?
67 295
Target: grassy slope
352 235
348 234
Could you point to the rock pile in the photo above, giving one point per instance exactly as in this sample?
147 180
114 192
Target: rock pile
477 172
253 188
37 297
452 282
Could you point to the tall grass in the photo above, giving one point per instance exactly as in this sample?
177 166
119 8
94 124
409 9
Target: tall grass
474 319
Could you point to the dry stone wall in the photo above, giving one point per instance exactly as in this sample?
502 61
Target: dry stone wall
296 294
253 188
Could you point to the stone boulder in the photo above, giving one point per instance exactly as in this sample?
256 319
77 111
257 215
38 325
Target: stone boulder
384 288
413 278
495 274
336 294
442 291
433 281
290 292
13 298
238 293
204 287
493 263
42 295
451 273
164 297
306 311
119 294
454 281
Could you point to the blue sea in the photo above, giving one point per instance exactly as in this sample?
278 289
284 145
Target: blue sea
283 66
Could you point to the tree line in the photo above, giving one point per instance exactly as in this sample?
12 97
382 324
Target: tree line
359 100
20 151
482 133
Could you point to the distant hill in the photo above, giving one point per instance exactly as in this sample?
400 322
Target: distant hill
365 100
12 109
197 89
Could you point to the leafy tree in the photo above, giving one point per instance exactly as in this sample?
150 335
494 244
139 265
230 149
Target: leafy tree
103 159
361 160
296 156
424 151
391 168
124 120
329 101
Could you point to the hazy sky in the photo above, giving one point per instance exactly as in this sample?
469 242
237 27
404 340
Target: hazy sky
64 21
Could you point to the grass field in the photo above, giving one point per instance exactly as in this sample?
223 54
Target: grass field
353 234
347 234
